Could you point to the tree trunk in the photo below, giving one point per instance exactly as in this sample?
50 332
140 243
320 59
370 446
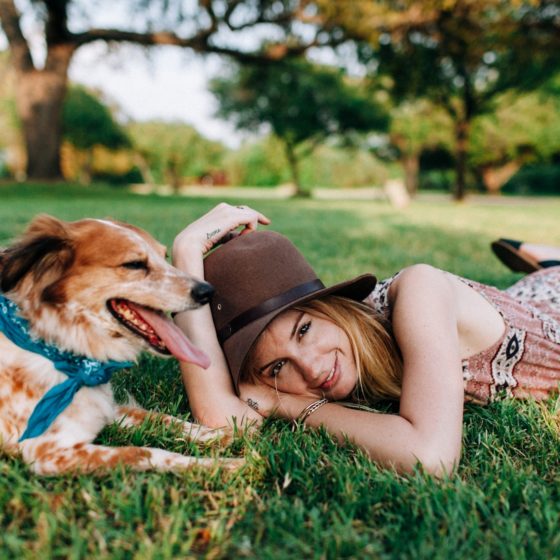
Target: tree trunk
411 164
294 169
85 175
462 132
494 177
40 96
145 171
174 175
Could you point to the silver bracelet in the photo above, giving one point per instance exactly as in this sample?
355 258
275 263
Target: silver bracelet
310 409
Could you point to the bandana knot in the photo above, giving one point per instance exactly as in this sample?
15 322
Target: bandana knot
81 370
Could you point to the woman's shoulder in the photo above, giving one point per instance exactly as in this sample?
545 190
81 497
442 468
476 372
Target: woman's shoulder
424 278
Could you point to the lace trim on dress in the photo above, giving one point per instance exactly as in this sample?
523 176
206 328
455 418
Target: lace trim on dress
379 297
507 357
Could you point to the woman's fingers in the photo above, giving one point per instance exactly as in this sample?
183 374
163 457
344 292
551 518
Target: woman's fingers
239 216
219 225
260 218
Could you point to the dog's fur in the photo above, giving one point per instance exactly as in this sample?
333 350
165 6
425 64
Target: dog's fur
61 275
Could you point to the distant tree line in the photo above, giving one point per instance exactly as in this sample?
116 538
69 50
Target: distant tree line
444 66
520 134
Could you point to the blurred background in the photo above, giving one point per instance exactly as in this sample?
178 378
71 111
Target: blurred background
301 97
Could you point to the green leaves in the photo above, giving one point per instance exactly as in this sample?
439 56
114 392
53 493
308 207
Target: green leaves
87 122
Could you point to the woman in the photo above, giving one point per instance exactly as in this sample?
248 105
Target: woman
280 343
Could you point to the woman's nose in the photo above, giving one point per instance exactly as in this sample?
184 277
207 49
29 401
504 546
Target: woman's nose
310 368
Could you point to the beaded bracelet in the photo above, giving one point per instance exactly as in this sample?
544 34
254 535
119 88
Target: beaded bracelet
310 409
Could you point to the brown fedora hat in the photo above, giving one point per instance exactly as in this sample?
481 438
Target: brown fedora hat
257 276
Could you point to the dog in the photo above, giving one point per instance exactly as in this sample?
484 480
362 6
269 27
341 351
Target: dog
99 290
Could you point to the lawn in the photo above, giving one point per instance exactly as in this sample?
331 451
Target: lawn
301 495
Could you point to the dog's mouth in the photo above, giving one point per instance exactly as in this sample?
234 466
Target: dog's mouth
157 330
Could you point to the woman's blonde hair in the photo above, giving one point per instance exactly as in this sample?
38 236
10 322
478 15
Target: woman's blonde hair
377 357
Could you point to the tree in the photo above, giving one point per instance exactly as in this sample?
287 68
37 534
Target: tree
415 127
86 123
302 104
460 54
522 130
172 151
204 26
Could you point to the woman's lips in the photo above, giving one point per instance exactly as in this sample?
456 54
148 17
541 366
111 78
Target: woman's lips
331 378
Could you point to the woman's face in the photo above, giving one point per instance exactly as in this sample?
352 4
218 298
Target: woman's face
306 354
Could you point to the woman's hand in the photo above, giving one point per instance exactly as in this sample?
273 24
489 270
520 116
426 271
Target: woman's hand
216 226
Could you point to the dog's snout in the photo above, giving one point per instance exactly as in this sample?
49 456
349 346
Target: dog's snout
202 292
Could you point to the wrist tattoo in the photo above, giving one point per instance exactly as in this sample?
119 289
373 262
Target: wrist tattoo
253 404
212 233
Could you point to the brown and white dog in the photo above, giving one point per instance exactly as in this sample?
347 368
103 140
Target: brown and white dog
100 289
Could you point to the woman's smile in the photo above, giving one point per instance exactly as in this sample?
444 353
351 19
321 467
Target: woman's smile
332 376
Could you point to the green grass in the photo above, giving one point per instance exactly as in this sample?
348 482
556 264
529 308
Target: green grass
301 495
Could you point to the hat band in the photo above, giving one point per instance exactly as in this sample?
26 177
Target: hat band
267 306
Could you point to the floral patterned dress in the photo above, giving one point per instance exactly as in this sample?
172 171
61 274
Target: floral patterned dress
525 362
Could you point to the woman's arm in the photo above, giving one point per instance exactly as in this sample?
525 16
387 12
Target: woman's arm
428 428
211 394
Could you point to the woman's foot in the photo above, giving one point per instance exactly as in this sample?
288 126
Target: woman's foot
525 257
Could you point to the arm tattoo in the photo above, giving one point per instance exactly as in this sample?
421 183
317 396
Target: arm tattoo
212 233
253 404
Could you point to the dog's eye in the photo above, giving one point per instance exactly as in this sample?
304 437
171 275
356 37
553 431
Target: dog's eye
135 265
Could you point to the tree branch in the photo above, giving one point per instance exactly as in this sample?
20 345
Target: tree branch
199 43
9 19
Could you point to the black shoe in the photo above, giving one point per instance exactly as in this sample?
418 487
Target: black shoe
509 252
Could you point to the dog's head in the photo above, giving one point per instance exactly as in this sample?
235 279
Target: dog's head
100 288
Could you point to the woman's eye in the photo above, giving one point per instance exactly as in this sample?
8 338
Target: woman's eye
135 265
275 370
303 329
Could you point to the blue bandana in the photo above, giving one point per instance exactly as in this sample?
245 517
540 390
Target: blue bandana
79 369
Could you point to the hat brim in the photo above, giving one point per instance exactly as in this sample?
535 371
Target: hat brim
237 346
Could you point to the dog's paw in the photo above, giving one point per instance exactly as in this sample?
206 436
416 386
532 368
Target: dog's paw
232 465
222 436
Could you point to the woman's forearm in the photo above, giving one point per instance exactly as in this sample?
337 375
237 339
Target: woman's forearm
389 439
211 394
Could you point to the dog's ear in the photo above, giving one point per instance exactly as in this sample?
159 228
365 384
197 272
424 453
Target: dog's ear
45 250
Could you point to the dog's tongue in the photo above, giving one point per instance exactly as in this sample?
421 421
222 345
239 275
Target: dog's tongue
173 337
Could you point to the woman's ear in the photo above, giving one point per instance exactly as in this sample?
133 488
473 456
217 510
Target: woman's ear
45 250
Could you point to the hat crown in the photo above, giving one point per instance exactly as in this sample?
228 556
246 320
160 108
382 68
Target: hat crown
251 269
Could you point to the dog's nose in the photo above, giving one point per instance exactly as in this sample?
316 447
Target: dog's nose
202 292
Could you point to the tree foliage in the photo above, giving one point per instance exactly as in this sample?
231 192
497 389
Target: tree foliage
247 30
522 130
417 126
300 102
263 162
174 152
460 54
87 121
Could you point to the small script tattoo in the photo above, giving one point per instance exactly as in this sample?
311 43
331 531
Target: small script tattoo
253 404
212 233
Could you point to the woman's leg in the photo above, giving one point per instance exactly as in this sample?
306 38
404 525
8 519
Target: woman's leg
541 252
